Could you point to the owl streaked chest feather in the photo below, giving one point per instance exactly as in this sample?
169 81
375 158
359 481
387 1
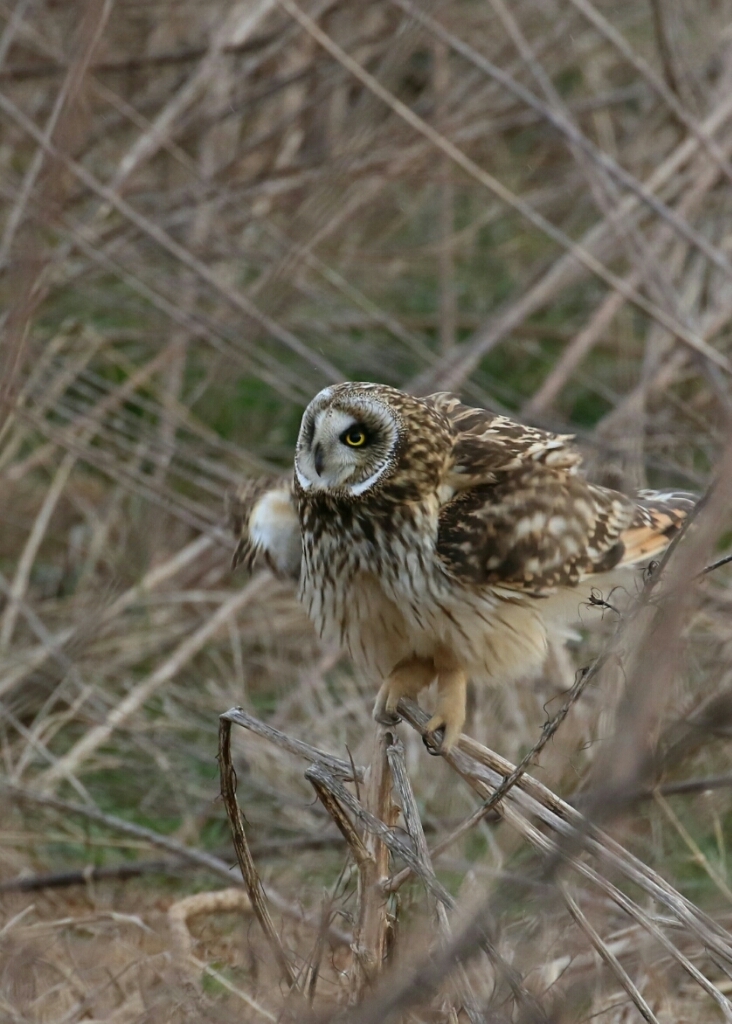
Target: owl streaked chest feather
372 582
369 576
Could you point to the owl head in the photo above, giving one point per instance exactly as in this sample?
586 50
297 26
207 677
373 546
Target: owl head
359 438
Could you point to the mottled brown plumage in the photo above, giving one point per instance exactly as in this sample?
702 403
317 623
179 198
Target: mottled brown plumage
438 541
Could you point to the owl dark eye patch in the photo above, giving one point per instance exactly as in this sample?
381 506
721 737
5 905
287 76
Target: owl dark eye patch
357 435
309 431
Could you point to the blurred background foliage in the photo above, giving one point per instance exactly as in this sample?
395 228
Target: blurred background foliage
209 214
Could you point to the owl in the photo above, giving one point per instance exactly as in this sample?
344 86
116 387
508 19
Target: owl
438 542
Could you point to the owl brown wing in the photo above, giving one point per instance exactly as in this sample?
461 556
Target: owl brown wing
263 517
537 529
487 444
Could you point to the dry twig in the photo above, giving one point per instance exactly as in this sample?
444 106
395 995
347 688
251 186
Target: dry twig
244 856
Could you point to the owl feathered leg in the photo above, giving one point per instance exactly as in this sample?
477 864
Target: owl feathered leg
407 679
451 693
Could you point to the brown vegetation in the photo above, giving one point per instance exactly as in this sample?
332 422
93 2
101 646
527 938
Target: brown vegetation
210 211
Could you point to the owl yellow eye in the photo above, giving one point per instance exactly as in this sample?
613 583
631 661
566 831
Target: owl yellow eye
354 437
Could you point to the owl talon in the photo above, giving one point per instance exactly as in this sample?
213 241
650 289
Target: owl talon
434 741
443 730
407 679
446 724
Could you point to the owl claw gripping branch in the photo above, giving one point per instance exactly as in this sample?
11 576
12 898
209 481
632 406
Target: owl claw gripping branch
437 542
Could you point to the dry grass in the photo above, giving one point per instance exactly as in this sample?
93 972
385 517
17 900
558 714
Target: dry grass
210 212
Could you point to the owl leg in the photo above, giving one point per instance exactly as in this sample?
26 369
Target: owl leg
406 679
450 714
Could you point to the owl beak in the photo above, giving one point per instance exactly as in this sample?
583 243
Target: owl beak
318 459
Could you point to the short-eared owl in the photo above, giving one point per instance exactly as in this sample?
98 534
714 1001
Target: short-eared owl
437 541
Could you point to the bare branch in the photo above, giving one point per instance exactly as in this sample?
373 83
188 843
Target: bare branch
244 856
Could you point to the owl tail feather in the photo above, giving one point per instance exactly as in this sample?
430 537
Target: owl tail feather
659 517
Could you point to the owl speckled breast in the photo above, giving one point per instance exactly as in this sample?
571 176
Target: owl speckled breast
367 578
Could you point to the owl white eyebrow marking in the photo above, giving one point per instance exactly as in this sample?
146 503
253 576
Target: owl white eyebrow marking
368 482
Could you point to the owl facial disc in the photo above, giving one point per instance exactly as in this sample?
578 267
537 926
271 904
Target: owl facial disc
346 444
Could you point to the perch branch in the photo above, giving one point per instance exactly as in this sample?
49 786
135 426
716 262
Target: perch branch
407 709
482 940
373 927
360 854
377 827
413 823
336 765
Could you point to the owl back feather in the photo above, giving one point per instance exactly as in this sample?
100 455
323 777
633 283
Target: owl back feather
487 444
536 529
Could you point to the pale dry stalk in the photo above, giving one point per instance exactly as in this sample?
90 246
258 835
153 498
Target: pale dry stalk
249 873
70 763
372 927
